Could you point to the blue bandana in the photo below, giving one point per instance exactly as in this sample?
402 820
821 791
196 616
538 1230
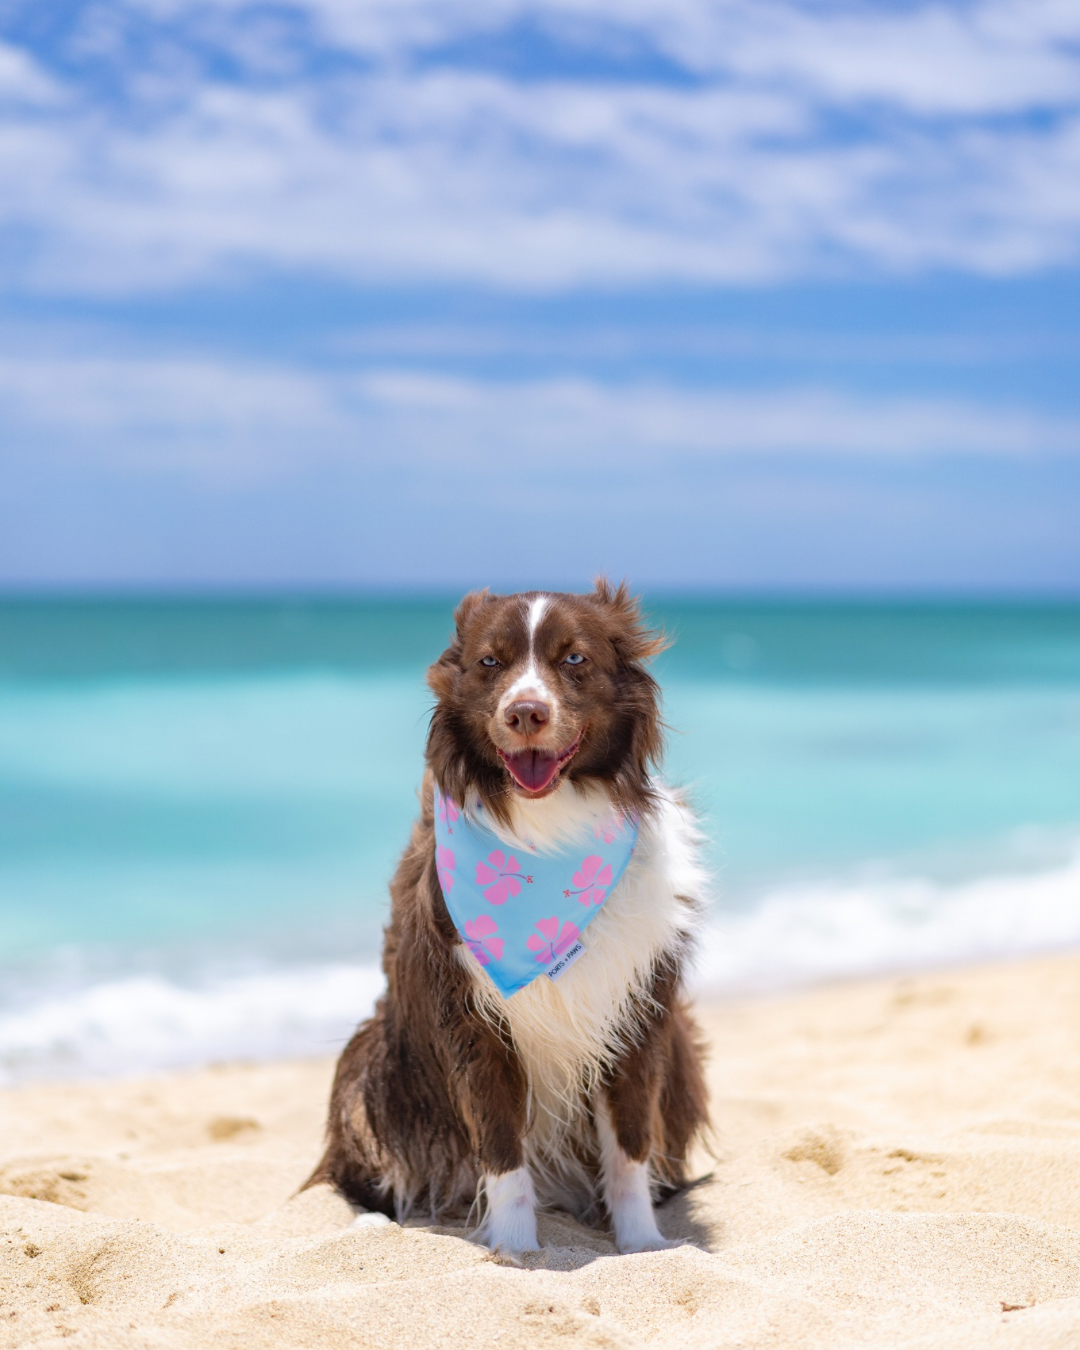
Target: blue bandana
522 917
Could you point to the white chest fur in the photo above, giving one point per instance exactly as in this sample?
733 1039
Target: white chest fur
567 1031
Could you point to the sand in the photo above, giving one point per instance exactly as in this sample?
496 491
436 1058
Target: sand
898 1164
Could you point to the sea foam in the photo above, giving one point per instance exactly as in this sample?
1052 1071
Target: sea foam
145 1022
801 934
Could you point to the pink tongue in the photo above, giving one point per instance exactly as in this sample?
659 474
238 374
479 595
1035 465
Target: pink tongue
532 769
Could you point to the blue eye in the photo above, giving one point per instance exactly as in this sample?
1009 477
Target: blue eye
574 659
488 661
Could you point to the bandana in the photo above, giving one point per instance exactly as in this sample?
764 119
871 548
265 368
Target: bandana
521 914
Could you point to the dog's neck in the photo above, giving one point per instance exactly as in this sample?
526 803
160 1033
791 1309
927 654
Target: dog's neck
564 815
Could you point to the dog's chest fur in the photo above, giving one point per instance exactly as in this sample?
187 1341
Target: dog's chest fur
567 1031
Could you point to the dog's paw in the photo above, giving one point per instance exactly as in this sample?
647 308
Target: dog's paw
511 1241
509 1226
372 1219
506 1256
651 1242
520 1238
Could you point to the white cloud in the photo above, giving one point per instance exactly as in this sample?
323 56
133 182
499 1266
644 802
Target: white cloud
223 423
463 177
22 81
932 57
806 138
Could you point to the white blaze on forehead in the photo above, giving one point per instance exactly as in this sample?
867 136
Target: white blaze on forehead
536 613
530 679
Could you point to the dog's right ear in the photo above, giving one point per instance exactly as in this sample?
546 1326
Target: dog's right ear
470 604
442 676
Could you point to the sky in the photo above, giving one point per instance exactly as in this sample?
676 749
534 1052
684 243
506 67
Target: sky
741 294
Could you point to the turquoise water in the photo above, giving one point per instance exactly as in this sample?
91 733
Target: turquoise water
193 792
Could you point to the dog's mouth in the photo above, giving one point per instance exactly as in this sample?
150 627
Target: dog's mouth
534 771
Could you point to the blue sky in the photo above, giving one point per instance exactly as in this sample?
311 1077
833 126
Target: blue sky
749 293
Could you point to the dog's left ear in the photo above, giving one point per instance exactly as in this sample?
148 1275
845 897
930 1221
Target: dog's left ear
632 637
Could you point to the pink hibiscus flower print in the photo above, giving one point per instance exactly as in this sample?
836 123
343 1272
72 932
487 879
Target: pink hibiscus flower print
607 831
591 881
554 942
445 862
448 813
479 941
502 877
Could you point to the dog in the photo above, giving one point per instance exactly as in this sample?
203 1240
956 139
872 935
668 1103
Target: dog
583 1092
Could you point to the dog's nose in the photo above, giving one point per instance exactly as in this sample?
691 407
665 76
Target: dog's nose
527 715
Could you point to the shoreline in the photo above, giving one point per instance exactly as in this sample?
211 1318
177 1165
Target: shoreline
897 1164
139 1016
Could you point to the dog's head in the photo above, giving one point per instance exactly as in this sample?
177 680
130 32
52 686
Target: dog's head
543 688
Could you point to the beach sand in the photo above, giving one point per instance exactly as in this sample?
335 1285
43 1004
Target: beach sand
897 1164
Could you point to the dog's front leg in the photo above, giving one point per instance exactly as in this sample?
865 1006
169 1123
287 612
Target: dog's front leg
624 1131
495 1107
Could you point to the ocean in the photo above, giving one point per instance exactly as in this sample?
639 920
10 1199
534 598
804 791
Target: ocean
202 800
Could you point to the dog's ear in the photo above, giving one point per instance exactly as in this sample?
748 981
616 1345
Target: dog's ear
442 676
470 604
632 637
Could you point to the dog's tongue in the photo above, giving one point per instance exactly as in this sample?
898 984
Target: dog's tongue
533 769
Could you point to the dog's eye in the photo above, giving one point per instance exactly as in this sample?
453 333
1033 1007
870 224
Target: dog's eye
488 661
574 659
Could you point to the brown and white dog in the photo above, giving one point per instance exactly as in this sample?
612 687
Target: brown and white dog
584 1094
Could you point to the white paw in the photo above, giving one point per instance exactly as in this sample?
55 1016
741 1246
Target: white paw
509 1226
372 1219
511 1234
646 1242
635 1227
